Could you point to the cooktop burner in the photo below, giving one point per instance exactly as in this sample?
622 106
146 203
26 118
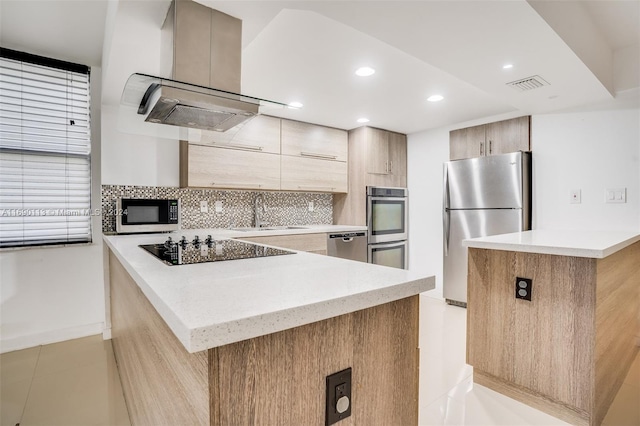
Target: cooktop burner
186 252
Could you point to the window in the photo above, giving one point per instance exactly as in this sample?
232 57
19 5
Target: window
45 148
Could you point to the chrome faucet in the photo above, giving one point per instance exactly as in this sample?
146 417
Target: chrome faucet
259 210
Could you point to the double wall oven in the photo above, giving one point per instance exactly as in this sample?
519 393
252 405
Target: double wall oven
387 220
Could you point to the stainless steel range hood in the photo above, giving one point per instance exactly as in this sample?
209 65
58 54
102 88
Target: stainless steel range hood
201 52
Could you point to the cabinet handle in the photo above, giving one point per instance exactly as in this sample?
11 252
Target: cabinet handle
233 146
238 185
238 146
386 167
490 148
390 166
314 155
481 149
317 188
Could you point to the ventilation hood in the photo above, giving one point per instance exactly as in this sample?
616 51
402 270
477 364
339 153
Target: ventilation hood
201 54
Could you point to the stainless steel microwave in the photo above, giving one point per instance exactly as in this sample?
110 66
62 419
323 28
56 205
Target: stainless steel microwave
135 215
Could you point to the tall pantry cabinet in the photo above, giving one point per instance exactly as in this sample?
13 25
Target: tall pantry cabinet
376 158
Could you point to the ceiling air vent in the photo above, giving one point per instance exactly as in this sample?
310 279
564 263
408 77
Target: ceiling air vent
528 83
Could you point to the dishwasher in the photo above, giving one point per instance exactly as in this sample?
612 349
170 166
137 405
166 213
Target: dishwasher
348 245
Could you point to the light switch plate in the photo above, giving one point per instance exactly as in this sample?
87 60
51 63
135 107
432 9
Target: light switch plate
615 195
218 205
575 196
204 207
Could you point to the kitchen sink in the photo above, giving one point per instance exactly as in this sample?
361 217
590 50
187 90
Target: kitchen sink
269 228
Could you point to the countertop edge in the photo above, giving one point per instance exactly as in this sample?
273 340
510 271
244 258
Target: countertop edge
308 314
217 334
173 322
559 250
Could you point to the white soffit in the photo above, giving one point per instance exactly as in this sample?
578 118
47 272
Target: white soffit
307 57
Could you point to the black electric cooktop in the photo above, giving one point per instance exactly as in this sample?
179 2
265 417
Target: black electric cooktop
185 252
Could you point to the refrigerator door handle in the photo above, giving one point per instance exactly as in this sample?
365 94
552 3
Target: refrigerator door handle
445 211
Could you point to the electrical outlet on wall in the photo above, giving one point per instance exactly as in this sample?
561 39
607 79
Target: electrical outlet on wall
575 196
204 206
218 206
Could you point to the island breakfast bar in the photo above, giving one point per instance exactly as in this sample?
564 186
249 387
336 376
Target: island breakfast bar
567 350
252 341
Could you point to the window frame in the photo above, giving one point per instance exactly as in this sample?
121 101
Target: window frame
42 61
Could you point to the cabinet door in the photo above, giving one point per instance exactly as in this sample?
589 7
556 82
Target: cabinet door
467 143
260 134
508 136
377 143
312 141
211 167
398 159
313 243
312 174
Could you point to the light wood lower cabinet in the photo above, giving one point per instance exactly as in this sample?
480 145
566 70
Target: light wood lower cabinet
276 379
211 167
313 243
313 175
568 350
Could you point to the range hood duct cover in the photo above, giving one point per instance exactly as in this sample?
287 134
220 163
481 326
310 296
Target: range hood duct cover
192 31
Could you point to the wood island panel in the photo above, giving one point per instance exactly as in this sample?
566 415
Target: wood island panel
273 379
162 383
617 310
566 351
380 344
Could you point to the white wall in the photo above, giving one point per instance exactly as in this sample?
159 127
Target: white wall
587 150
590 151
53 294
132 45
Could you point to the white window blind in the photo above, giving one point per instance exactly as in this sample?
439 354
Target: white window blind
45 147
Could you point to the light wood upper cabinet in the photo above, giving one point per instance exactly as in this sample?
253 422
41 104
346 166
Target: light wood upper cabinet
313 174
260 134
398 159
467 143
386 154
249 156
212 167
508 136
491 139
377 151
312 141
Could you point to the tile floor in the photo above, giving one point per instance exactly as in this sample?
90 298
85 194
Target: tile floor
76 383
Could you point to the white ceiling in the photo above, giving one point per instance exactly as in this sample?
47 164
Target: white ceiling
307 51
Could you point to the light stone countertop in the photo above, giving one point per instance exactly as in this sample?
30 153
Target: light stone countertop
593 244
208 305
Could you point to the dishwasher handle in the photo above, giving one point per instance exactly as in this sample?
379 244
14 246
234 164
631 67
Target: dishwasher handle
347 237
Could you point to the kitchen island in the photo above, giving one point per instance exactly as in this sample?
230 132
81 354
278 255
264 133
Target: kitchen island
251 341
567 350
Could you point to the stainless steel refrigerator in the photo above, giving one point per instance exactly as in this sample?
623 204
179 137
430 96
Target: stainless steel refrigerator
482 196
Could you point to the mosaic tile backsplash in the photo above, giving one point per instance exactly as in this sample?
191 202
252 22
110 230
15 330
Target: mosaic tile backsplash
281 208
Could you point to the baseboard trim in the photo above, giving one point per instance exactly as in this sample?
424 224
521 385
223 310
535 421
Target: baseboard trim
540 402
47 337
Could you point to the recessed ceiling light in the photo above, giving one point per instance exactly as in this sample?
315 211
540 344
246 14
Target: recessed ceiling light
363 120
295 105
435 98
507 66
365 71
